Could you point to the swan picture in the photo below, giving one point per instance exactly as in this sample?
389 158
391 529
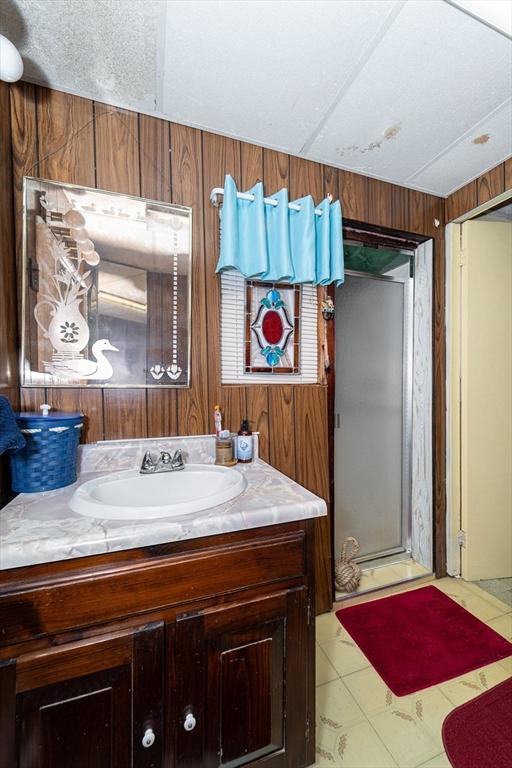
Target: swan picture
100 368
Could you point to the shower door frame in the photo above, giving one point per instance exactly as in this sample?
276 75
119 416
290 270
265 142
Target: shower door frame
376 234
407 397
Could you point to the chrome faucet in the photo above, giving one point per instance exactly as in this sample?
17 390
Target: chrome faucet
164 463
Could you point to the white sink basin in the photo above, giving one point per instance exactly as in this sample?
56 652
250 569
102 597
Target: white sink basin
131 496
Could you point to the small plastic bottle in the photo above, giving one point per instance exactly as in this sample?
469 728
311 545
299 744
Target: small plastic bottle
244 443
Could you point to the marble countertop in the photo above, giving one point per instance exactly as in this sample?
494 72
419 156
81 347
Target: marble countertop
41 528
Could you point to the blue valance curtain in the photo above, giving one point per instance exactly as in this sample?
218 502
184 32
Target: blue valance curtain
277 243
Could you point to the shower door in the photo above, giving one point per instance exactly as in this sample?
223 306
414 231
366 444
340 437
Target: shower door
373 413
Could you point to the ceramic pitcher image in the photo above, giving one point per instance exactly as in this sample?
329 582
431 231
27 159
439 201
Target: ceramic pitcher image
68 330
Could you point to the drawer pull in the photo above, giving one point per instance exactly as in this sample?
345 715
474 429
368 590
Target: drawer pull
149 738
190 722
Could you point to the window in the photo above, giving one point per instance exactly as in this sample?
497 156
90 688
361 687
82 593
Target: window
268 331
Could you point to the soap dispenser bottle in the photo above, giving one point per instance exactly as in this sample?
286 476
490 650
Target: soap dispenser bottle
244 449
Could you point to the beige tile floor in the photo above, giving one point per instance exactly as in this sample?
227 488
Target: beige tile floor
361 724
384 575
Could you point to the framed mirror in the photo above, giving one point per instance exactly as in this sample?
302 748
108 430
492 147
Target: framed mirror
106 289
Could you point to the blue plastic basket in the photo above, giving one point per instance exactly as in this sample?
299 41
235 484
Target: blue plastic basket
48 460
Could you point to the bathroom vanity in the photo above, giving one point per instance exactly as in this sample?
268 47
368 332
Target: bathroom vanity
194 651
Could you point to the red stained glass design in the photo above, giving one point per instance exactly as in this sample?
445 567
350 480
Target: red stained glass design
272 327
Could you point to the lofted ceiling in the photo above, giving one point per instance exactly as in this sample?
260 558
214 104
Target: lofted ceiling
415 92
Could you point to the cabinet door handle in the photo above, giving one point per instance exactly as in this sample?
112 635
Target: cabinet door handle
149 738
190 722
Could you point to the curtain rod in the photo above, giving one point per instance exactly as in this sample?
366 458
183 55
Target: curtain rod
268 200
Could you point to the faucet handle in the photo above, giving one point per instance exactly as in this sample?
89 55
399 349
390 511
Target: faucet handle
177 459
148 465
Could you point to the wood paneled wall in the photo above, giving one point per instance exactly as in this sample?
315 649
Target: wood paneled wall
67 138
480 190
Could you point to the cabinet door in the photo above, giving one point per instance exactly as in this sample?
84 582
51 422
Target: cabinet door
243 684
89 704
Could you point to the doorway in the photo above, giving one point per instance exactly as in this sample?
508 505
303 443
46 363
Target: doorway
383 411
479 320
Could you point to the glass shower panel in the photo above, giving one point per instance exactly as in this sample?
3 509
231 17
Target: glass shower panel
371 441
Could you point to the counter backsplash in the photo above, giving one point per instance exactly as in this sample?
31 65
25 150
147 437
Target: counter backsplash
113 455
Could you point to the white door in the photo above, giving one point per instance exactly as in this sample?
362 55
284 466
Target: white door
485 455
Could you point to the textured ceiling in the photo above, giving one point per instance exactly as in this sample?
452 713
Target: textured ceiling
412 91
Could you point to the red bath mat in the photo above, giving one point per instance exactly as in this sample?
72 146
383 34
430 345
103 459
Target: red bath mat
479 733
421 638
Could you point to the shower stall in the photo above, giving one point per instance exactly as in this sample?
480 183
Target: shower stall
382 487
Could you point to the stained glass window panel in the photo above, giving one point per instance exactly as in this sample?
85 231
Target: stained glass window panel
272 328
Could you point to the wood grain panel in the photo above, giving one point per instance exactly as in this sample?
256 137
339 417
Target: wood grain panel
124 413
8 304
508 173
60 605
24 148
162 412
251 164
331 181
155 158
187 189
424 210
282 429
31 398
439 410
88 401
66 137
353 191
306 178
79 722
25 163
461 201
84 657
387 204
258 414
117 151
220 156
434 209
310 423
276 170
417 213
491 184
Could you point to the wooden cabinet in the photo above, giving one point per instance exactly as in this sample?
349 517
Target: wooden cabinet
235 674
221 678
91 703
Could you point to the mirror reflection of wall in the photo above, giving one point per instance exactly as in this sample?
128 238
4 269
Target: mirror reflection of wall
107 299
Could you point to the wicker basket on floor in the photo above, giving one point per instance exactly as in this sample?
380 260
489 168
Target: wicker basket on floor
347 573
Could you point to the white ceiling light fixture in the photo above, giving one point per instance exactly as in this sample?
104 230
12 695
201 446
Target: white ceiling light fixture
11 63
